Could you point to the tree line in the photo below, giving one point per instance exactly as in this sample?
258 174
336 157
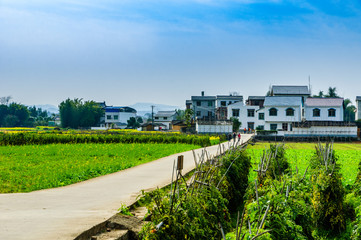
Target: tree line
77 113
18 115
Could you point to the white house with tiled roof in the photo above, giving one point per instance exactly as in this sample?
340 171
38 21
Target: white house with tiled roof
281 111
324 109
165 117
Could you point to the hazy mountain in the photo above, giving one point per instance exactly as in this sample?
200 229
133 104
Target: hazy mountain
144 108
48 107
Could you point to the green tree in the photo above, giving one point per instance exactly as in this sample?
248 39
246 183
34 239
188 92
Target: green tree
332 93
76 113
180 114
236 124
320 95
188 117
11 121
134 122
90 114
349 113
3 112
20 111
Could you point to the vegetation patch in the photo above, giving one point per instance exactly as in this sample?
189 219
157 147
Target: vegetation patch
299 155
29 138
33 167
200 208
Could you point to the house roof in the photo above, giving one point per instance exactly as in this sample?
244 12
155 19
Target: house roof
154 124
290 90
256 97
101 104
358 98
120 109
282 101
324 102
203 98
229 97
165 113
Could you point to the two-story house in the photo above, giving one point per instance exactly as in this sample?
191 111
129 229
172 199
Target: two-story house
251 114
210 108
281 111
117 117
222 102
324 109
166 118
204 107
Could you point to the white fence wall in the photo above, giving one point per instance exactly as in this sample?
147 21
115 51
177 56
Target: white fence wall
213 128
344 131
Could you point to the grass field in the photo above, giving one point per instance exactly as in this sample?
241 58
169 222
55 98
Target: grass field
33 167
299 154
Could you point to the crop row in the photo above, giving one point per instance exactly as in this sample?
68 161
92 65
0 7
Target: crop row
54 138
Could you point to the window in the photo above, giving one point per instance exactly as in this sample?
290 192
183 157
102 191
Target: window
209 114
198 103
273 126
250 112
332 112
116 117
260 127
316 112
210 103
284 126
109 117
260 116
165 118
156 118
223 103
230 102
290 112
235 112
198 113
273 112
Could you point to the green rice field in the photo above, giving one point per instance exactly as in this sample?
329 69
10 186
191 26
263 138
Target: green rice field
33 167
298 154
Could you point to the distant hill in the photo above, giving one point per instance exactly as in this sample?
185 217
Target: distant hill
47 107
144 108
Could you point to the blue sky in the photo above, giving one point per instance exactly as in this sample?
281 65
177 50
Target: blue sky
132 51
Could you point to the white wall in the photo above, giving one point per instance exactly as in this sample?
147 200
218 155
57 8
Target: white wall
358 107
344 131
123 117
243 114
222 128
281 114
323 114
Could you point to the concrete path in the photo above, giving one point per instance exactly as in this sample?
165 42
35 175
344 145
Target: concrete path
64 213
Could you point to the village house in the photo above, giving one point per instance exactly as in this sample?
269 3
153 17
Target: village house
117 117
165 118
211 108
251 114
204 107
324 109
281 111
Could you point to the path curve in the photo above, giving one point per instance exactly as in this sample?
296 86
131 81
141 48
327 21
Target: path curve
63 213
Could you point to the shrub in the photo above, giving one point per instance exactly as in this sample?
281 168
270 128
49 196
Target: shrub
236 177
